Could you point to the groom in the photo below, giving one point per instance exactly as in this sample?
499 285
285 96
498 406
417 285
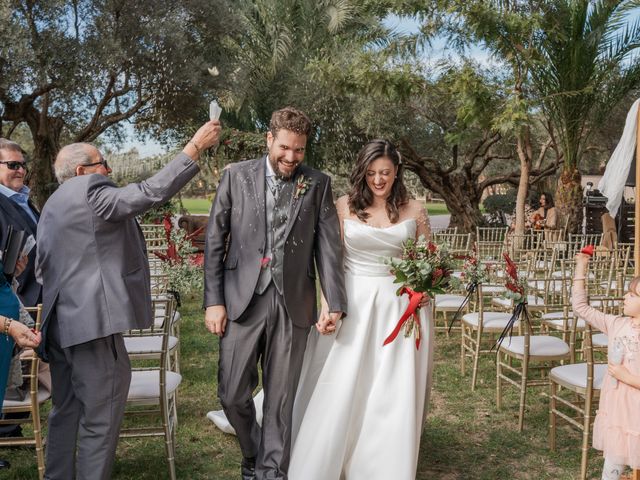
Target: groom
273 222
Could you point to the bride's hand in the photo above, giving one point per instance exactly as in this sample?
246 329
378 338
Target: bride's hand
425 301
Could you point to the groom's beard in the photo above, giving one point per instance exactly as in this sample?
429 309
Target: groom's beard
279 173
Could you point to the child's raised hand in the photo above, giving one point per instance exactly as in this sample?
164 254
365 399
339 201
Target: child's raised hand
582 264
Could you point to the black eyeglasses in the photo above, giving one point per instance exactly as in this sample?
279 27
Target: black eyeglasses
12 165
101 162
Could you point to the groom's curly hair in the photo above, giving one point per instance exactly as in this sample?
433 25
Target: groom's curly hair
292 119
360 195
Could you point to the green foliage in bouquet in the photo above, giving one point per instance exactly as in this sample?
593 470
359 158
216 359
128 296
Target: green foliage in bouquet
424 267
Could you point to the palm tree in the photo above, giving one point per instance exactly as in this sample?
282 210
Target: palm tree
574 61
581 66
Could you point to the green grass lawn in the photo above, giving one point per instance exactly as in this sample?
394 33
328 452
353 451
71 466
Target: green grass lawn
465 436
202 205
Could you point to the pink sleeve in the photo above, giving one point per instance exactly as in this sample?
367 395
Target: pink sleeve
583 310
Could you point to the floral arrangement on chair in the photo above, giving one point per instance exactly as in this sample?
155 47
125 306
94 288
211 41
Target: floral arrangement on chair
474 272
424 269
516 290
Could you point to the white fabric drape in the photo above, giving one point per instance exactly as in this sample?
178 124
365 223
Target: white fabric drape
612 183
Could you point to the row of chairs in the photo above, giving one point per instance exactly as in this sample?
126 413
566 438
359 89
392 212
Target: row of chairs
543 352
152 399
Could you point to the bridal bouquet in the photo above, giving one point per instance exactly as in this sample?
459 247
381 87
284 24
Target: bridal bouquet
424 269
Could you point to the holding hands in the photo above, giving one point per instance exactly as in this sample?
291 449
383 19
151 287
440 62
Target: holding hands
327 321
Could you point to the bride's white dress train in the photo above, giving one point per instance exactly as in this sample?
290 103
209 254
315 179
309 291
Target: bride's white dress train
360 405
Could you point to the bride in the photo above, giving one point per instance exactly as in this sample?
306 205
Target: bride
361 405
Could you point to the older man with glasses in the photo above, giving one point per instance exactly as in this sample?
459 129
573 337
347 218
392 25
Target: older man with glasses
95 276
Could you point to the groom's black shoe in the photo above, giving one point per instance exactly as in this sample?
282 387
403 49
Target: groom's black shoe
248 468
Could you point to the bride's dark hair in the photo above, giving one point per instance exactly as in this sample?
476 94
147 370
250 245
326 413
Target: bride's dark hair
360 195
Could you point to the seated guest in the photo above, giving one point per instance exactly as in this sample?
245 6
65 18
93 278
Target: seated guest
545 216
12 314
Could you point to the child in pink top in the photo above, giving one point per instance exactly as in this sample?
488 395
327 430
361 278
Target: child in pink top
616 429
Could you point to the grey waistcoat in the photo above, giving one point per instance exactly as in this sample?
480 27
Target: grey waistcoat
277 215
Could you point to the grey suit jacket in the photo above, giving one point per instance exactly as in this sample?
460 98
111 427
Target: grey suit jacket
236 239
91 254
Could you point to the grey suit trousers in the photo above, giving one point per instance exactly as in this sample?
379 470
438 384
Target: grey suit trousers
263 333
90 383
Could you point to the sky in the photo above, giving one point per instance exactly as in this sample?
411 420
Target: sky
405 25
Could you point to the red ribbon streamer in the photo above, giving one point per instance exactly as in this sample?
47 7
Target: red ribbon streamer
412 311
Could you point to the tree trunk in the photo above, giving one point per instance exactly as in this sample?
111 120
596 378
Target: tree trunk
524 154
46 138
569 200
462 197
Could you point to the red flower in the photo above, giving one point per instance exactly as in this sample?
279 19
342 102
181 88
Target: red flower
437 275
588 250
264 263
433 248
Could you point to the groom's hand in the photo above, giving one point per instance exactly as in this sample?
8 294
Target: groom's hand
215 318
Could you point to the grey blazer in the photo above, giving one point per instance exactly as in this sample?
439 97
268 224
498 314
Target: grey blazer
92 258
236 239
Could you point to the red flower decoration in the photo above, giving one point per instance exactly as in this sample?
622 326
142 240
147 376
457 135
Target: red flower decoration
511 268
432 247
588 250
264 263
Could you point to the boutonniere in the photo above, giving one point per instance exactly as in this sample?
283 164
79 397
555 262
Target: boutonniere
302 185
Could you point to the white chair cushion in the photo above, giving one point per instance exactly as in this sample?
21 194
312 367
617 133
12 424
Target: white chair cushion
145 384
539 346
159 318
493 288
540 285
449 301
558 323
614 284
532 301
576 374
493 320
553 315
43 396
600 340
147 344
560 274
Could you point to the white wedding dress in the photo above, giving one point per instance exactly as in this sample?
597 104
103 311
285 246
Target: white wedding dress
365 402
360 405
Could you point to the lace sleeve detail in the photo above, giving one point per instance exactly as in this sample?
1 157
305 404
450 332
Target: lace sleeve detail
423 223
